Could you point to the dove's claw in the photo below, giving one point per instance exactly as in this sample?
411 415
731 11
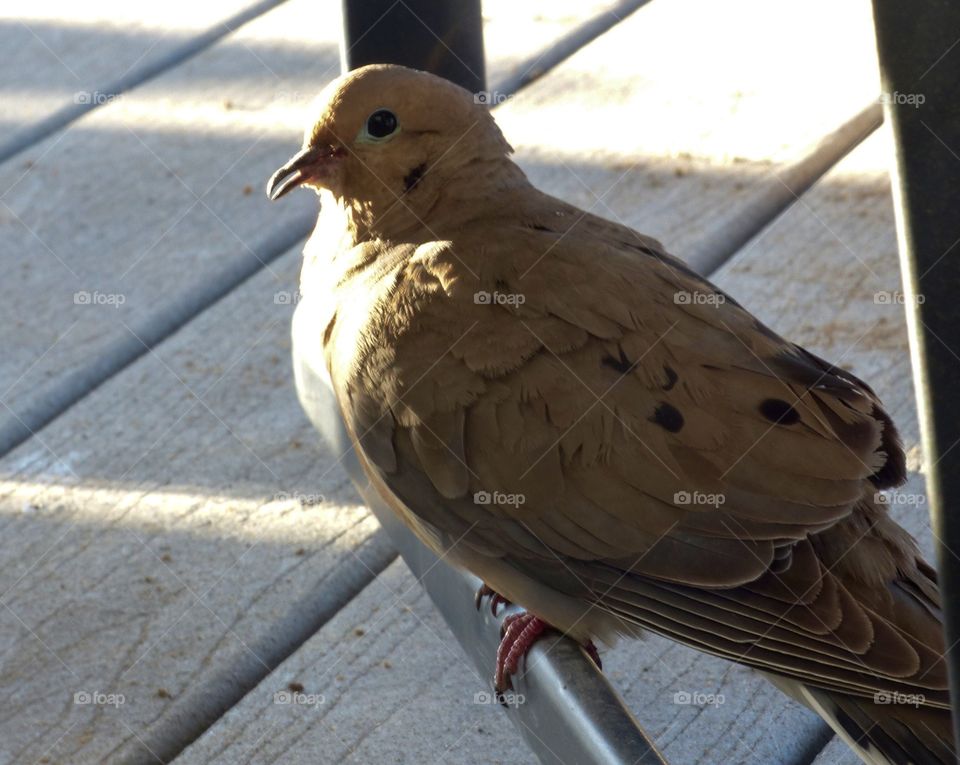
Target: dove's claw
482 591
518 633
495 598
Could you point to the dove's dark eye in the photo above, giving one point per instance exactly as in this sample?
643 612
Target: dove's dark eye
381 123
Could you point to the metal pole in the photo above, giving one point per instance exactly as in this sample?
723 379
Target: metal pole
919 53
440 37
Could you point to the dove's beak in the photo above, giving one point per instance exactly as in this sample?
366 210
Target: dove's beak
311 165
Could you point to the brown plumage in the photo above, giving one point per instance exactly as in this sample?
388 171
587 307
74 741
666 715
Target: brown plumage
552 401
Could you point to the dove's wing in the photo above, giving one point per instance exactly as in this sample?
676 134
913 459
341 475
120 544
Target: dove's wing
555 391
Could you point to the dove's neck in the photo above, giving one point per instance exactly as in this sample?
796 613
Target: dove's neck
351 238
444 198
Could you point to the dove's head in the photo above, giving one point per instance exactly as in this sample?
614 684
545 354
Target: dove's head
386 140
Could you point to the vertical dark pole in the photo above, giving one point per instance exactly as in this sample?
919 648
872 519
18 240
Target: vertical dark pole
445 38
920 66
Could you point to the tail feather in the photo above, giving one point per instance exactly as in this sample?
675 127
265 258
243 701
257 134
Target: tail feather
892 729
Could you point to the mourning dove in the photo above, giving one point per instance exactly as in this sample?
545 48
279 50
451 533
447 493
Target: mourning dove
551 401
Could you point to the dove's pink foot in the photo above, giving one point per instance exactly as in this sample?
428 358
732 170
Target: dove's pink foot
495 598
518 633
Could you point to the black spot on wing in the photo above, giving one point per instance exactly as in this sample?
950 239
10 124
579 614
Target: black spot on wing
667 417
779 411
621 365
672 377
816 374
412 178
